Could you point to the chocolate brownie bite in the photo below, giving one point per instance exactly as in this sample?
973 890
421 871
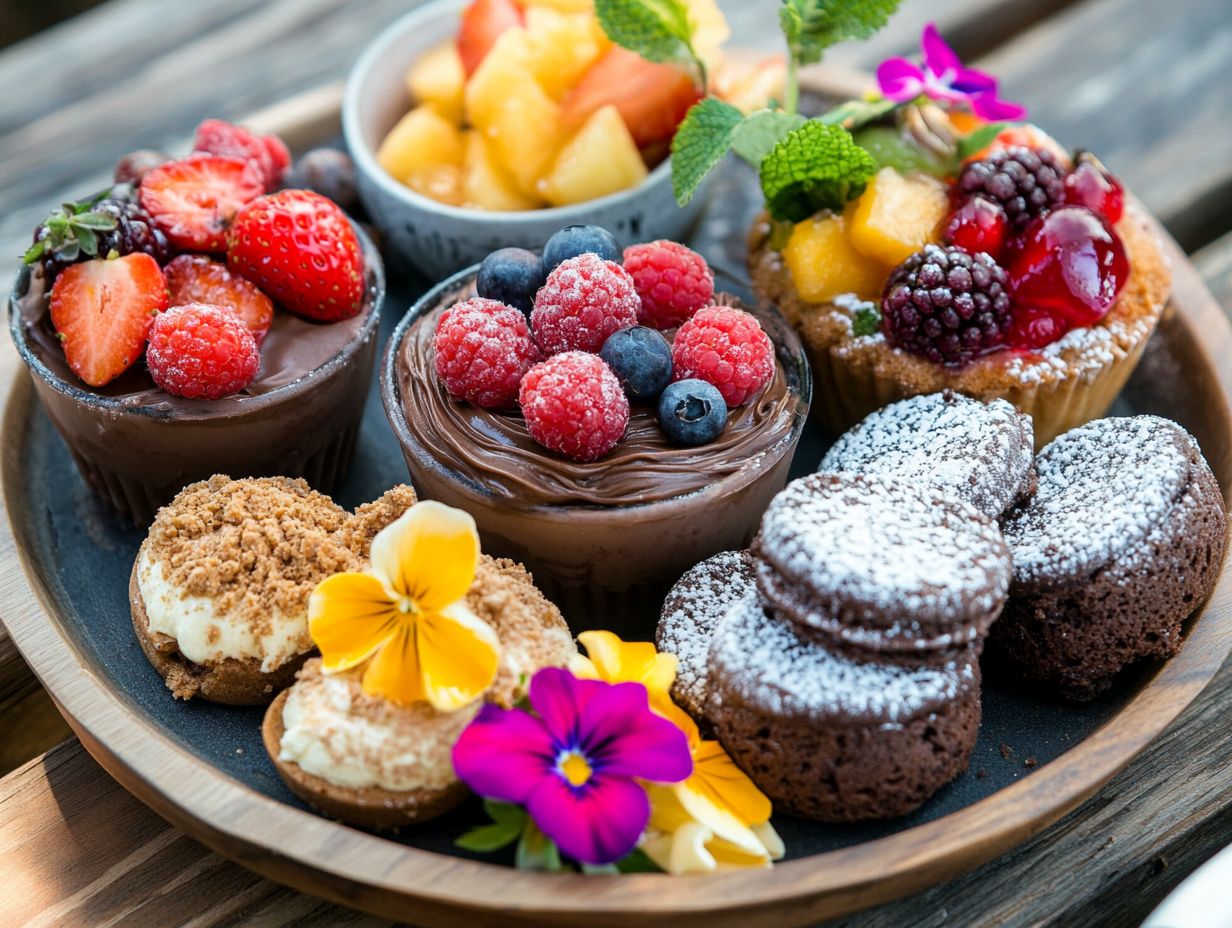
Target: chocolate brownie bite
831 738
981 453
693 610
881 566
1123 540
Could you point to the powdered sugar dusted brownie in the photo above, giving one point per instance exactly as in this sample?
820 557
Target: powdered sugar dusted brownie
1122 541
881 565
981 453
693 610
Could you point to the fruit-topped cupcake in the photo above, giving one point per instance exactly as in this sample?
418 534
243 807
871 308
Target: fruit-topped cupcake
923 239
194 299
606 416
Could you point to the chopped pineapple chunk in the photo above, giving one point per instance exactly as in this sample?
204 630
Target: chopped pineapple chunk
441 182
437 79
561 48
422 139
485 182
600 159
823 264
897 215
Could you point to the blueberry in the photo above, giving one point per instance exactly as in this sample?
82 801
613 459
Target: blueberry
641 359
692 412
511 276
572 241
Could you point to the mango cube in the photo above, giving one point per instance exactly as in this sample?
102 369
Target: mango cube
441 182
561 46
823 264
600 159
437 79
562 6
485 182
897 215
504 71
421 140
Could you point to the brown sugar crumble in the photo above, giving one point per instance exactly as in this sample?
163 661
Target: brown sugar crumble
370 518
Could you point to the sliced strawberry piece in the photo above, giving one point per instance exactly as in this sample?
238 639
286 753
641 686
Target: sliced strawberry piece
198 279
651 98
482 23
102 310
219 137
193 201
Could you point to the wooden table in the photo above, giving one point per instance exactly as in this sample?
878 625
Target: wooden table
1141 82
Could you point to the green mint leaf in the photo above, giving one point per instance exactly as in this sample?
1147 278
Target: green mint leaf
866 320
815 167
488 838
700 143
853 114
780 233
87 240
812 26
100 222
976 139
637 862
756 136
658 30
536 851
505 813
33 253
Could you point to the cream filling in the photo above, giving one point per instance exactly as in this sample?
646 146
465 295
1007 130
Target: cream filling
204 635
406 749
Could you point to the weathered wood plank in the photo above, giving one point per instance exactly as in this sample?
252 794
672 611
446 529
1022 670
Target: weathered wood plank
1215 263
28 718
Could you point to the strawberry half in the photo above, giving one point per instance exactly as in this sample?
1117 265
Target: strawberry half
103 309
299 247
193 201
268 152
198 279
482 24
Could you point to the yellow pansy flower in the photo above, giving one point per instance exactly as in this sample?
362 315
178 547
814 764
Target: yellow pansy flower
614 661
407 614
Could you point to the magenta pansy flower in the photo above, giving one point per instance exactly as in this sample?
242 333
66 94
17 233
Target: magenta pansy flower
575 764
943 77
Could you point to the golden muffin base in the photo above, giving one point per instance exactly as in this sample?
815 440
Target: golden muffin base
369 807
230 681
1061 386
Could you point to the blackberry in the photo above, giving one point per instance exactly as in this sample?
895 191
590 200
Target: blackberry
947 305
1025 181
93 228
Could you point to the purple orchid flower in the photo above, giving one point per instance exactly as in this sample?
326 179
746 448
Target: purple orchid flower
943 77
575 765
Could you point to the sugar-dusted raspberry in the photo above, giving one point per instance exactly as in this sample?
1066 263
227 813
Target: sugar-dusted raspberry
672 281
584 301
574 405
483 348
201 351
724 346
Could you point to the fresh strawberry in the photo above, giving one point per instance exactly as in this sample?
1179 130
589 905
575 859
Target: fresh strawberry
198 279
300 248
192 201
217 137
482 23
651 98
102 310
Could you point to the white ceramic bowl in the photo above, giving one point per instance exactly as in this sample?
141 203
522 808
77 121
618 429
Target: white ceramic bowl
437 239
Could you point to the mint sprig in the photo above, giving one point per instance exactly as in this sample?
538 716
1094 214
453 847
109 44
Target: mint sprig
658 30
866 320
72 230
757 135
700 143
815 167
812 26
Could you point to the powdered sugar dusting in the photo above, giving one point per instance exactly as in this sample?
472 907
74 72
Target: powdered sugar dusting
980 453
696 605
1102 489
779 669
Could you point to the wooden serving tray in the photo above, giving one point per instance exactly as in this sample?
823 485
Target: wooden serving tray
64 564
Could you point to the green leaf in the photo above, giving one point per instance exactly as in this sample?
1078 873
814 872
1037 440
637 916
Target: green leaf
866 320
487 838
637 862
889 149
87 239
100 222
812 26
33 253
756 136
976 139
536 851
815 167
853 114
505 813
700 143
600 869
658 30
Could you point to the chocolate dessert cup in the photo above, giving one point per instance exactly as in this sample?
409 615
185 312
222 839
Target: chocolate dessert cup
137 446
604 540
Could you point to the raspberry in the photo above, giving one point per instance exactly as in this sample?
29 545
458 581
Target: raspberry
673 282
726 347
947 305
1025 181
574 405
201 351
483 348
267 152
582 303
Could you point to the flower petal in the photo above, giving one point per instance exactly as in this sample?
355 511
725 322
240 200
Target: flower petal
598 823
718 819
394 672
582 667
557 696
459 654
988 107
429 553
899 80
938 56
968 82
349 617
619 661
504 754
716 777
623 737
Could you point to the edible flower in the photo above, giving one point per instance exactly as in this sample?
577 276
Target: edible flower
943 77
407 614
576 762
715 819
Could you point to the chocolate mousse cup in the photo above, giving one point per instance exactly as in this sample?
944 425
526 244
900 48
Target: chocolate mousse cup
605 540
137 446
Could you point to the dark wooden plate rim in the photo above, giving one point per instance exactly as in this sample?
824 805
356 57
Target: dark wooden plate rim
362 870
